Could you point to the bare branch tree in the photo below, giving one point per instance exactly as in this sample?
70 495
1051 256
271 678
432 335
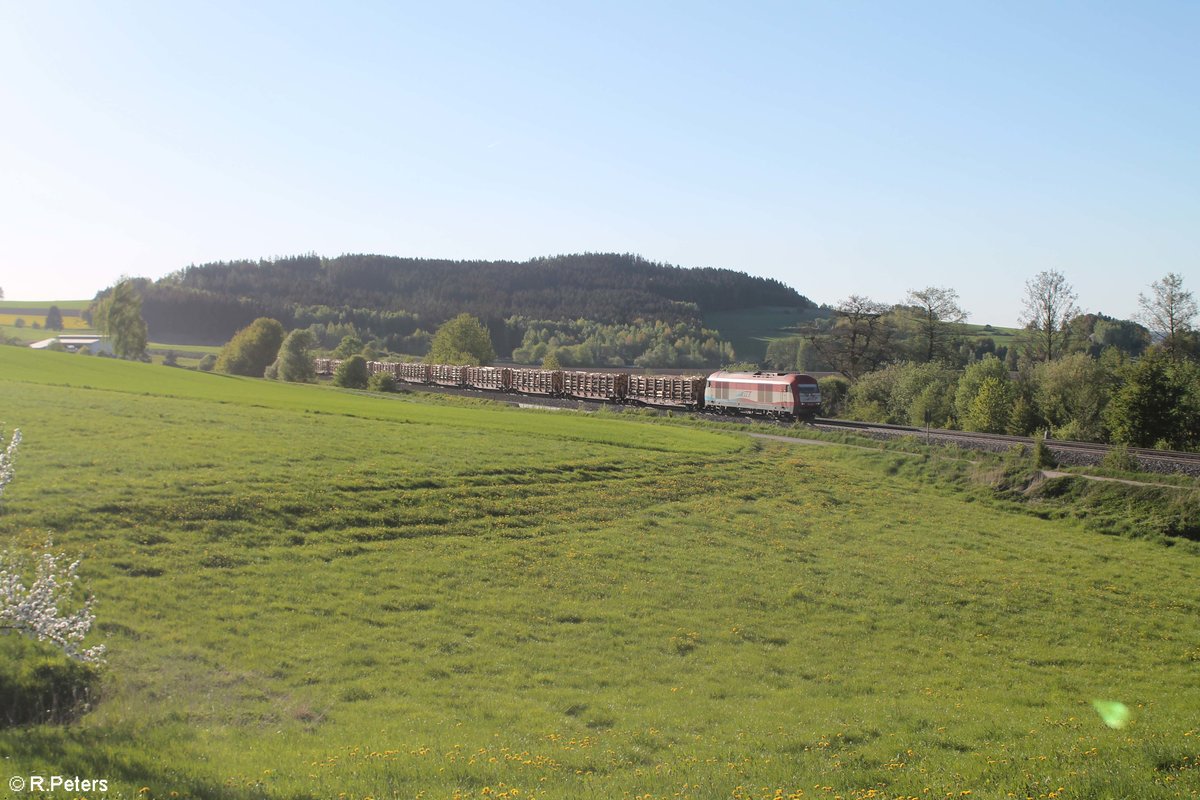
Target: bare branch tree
1168 311
1048 306
859 336
934 310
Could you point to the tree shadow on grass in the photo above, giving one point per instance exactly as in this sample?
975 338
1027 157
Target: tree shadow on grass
121 757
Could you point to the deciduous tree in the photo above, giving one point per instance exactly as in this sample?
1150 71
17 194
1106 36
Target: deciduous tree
352 373
119 316
1125 335
464 341
350 345
990 408
1071 394
295 363
1158 404
970 384
54 320
1168 311
934 310
857 341
252 348
1047 309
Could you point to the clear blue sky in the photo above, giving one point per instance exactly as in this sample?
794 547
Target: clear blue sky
841 147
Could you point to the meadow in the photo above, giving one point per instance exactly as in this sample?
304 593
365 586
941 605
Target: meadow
751 330
316 593
31 311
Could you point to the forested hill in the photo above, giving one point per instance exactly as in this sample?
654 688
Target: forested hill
209 302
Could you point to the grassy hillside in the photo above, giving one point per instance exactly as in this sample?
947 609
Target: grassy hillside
1003 337
315 593
751 330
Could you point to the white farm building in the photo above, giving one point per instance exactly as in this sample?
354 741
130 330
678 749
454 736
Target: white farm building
73 344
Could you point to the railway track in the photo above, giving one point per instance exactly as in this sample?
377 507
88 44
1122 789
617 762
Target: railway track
1066 452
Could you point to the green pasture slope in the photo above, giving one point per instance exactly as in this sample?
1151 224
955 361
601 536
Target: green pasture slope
750 330
312 593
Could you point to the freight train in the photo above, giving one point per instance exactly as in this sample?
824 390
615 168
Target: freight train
782 395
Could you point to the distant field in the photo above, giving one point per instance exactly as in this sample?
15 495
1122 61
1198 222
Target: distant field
750 331
44 305
70 323
315 593
192 349
1002 336
32 311
23 335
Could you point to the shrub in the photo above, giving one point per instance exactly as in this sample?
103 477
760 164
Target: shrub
208 362
349 346
833 394
252 348
1119 458
352 373
381 382
294 363
1042 457
462 340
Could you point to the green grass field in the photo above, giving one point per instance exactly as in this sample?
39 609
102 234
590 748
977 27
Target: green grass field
315 593
1005 337
751 330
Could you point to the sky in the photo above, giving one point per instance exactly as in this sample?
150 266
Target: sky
840 147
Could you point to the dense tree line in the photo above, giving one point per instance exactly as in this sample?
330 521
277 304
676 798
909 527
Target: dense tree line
391 298
586 343
1153 401
1073 376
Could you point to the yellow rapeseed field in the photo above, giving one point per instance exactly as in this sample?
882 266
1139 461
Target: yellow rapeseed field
69 323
